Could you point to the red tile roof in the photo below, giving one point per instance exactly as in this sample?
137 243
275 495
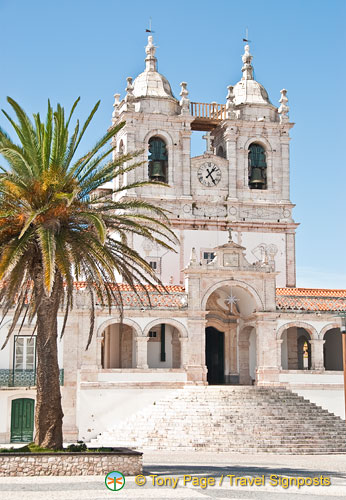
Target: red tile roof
124 287
310 299
311 292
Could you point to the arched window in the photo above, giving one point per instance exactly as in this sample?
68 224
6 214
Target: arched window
158 160
121 147
221 152
257 167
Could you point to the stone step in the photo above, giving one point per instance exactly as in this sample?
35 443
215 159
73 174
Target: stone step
240 419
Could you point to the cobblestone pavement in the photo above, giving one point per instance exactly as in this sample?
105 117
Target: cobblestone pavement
197 465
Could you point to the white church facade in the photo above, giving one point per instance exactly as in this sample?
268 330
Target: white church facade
232 314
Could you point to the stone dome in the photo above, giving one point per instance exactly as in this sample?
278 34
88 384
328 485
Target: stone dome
151 84
250 92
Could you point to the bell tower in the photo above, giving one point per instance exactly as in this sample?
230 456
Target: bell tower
240 182
159 125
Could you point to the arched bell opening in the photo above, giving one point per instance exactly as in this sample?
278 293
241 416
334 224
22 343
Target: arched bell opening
118 346
221 152
158 160
257 167
332 350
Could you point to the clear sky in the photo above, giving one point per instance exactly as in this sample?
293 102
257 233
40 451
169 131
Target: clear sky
69 48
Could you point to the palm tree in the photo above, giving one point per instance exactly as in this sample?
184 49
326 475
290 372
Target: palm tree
54 230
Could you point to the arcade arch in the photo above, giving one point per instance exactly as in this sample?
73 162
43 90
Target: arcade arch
296 345
332 349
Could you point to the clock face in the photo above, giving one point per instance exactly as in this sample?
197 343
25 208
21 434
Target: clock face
209 174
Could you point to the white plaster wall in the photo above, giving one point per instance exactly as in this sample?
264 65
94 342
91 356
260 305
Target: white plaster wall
329 399
154 349
103 409
170 260
203 239
6 354
6 360
250 240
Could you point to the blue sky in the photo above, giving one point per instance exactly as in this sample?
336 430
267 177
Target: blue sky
65 49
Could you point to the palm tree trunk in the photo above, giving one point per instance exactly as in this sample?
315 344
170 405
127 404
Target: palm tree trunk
48 412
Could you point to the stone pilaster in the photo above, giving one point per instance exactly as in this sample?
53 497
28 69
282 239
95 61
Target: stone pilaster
141 352
290 260
186 161
71 369
317 361
266 352
279 343
183 352
230 138
197 371
292 349
244 365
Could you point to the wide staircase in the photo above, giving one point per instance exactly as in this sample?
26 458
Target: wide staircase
231 419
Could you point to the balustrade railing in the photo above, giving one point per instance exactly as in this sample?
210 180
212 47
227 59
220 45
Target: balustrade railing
209 111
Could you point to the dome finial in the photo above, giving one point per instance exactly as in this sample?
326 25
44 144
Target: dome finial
247 68
150 60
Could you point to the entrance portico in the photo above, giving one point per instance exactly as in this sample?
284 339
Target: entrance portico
235 301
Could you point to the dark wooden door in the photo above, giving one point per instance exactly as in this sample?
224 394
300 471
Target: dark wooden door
22 420
214 355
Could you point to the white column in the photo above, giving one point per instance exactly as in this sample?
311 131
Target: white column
142 352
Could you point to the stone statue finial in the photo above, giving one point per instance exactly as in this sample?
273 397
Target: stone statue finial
247 68
150 60
129 98
230 105
184 101
230 235
193 258
116 105
283 109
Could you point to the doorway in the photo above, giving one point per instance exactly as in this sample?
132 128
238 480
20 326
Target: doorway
22 420
214 355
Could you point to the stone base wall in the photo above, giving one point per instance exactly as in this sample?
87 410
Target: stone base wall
127 462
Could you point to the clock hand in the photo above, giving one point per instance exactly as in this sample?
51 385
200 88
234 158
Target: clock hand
211 177
210 172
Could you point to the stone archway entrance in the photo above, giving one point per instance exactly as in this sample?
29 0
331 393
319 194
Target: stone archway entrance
215 355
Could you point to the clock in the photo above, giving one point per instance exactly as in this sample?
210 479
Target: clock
209 174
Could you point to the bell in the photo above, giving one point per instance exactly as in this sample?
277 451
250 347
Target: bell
256 180
157 173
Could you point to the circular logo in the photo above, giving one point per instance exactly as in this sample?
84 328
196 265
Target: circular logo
115 480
